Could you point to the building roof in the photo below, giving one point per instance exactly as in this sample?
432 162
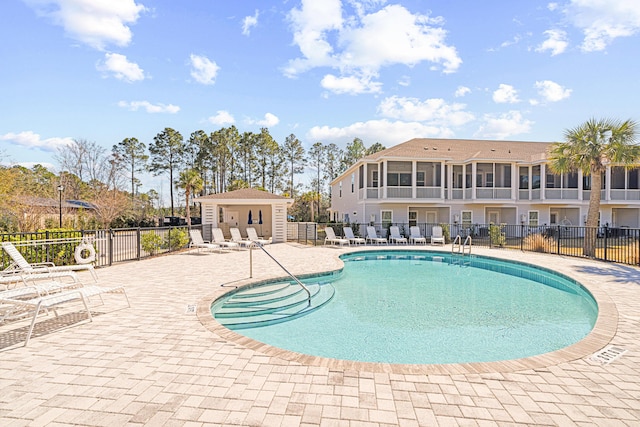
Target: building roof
464 150
243 194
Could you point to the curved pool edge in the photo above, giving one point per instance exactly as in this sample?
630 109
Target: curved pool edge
603 332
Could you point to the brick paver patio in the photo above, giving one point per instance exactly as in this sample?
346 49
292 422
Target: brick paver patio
161 363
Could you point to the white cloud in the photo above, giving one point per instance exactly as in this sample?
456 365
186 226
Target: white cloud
248 22
360 44
602 21
149 107
222 118
352 84
502 126
30 139
556 42
461 91
434 111
552 6
386 132
204 70
121 68
95 23
505 94
404 81
268 121
552 91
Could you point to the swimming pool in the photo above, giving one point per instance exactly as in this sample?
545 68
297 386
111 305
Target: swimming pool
413 307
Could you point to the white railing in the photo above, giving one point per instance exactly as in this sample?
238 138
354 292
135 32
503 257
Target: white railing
372 193
399 192
625 194
493 193
428 193
561 193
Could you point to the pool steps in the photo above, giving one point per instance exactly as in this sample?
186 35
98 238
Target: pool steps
270 304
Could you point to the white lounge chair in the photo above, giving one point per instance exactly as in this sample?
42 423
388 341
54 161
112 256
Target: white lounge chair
253 236
348 233
10 280
331 238
436 235
198 242
52 301
218 239
236 237
395 237
372 236
20 264
415 237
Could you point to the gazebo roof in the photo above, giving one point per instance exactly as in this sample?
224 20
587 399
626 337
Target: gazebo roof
245 195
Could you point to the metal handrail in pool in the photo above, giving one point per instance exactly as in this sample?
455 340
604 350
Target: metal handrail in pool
461 246
258 244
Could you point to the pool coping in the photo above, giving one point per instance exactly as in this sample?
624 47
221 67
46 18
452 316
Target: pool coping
602 333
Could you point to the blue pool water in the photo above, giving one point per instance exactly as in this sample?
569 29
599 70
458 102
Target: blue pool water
420 307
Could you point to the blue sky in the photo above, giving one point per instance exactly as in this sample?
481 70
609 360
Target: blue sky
329 71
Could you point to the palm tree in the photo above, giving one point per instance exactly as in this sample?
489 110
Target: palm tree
191 181
590 148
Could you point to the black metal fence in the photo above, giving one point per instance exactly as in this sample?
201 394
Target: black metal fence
615 244
111 246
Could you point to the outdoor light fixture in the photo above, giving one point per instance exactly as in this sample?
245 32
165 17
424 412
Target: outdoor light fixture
60 190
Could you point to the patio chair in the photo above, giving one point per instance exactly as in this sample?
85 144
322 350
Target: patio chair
236 237
253 236
436 235
331 238
348 233
21 265
218 239
415 237
372 236
395 236
52 301
198 242
10 280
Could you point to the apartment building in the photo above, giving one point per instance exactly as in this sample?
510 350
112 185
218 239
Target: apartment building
462 181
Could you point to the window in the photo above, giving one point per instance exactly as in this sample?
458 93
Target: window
386 218
467 217
420 179
413 218
535 177
374 179
353 182
340 189
524 178
361 176
553 218
551 181
395 179
489 179
479 180
533 218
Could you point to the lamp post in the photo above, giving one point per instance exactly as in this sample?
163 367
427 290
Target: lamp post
60 190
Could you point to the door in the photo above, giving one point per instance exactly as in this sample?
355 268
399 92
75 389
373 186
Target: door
231 218
432 217
494 217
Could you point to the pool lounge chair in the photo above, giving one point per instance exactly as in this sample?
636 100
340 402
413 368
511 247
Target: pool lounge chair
218 239
415 237
21 265
372 236
395 237
198 242
331 238
348 233
52 301
236 237
253 236
436 235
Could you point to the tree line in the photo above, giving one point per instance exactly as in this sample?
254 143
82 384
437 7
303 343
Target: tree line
202 164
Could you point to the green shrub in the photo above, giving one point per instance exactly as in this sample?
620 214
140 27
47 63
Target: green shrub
176 238
150 242
446 233
498 238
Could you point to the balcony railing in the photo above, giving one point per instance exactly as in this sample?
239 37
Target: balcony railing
493 193
399 192
625 194
561 193
428 193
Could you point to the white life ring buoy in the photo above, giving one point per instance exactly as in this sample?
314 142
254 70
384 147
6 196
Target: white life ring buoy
80 253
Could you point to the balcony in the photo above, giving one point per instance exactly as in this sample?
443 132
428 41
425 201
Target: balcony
493 193
561 193
621 194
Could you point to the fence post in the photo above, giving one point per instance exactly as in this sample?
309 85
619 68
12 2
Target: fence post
606 234
138 243
558 231
522 237
111 238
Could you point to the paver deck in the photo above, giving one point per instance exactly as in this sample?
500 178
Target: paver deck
162 363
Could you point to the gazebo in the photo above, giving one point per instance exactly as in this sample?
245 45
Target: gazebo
246 207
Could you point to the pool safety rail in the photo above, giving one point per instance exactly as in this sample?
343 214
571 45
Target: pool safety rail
461 248
259 245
